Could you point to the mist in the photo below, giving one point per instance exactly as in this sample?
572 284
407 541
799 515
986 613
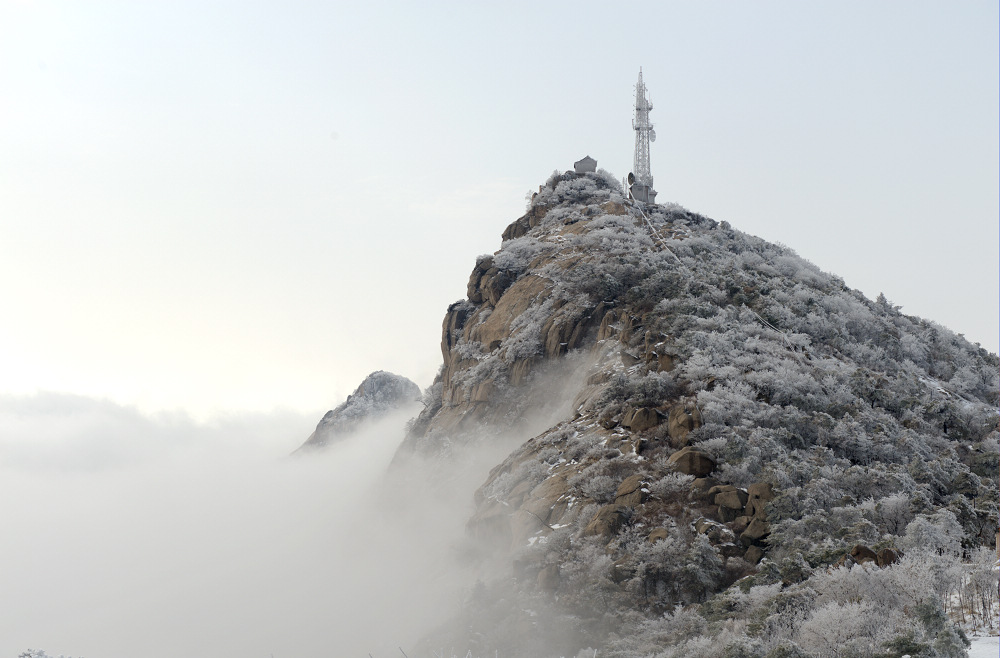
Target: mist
132 535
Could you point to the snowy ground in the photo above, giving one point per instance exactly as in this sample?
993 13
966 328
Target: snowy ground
984 647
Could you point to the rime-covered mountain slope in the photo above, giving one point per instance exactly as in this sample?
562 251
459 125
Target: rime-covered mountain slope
379 394
710 425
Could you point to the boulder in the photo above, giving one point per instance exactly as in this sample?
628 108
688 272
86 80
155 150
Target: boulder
494 284
735 499
719 488
703 525
517 229
758 495
664 362
483 265
701 486
754 555
626 444
657 534
888 556
643 419
692 462
606 522
630 492
862 554
627 417
761 491
741 523
728 515
757 530
681 419
720 534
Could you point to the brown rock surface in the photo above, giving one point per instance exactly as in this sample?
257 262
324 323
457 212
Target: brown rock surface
681 419
887 556
473 289
735 499
702 486
754 555
692 462
496 328
607 328
606 522
727 515
664 362
862 554
643 419
630 493
756 531
740 523
657 534
703 525
758 495
546 500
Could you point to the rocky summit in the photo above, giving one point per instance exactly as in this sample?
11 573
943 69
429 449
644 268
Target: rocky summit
721 449
380 393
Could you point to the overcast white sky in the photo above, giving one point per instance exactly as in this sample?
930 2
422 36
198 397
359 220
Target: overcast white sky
248 205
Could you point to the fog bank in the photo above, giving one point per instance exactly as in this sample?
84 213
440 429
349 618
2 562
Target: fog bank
210 541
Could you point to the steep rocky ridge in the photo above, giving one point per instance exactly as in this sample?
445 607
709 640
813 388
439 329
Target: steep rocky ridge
728 404
378 394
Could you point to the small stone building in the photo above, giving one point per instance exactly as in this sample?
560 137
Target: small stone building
585 165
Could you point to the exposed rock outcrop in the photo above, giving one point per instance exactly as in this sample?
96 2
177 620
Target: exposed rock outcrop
379 394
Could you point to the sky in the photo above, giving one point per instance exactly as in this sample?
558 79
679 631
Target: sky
237 207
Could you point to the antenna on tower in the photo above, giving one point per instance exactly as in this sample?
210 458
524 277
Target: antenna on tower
641 178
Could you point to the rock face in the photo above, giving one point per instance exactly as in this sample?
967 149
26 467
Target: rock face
659 376
380 393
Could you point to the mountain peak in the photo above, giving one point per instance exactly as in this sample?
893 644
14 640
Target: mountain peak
378 394
693 406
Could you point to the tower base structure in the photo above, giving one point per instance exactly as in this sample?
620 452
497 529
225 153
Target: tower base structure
640 192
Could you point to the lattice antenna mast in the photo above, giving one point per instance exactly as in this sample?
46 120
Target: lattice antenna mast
644 134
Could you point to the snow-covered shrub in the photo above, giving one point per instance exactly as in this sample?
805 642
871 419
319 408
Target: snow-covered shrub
518 253
670 485
600 488
938 533
526 332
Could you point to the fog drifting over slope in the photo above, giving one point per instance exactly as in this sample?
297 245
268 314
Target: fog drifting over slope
127 535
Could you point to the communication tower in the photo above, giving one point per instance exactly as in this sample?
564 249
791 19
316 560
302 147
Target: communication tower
641 179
